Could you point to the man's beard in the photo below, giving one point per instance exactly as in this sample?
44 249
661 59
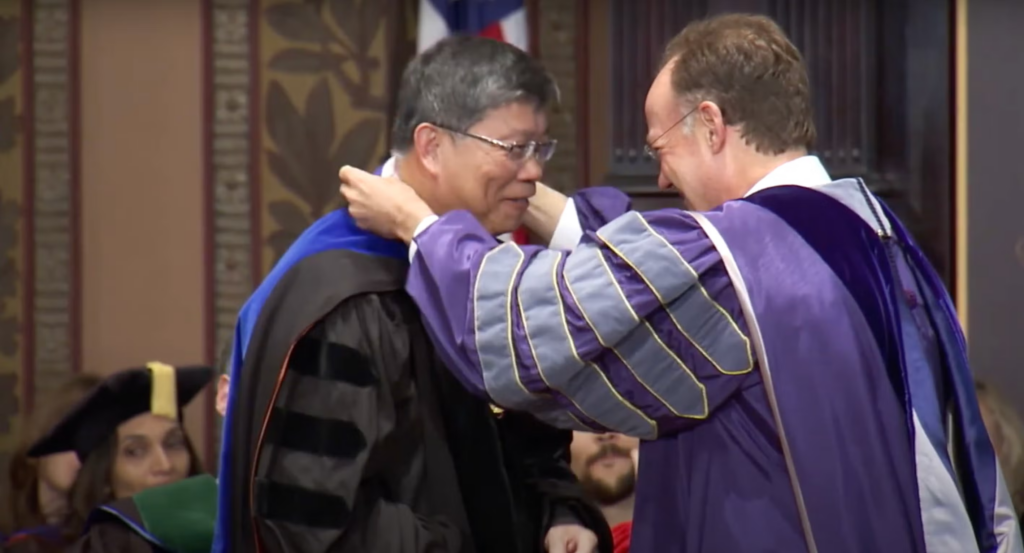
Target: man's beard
603 491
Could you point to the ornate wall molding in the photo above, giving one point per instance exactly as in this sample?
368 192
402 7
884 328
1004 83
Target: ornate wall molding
231 147
15 20
39 204
229 163
56 197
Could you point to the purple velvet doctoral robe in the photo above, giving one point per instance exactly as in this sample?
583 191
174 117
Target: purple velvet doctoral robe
791 361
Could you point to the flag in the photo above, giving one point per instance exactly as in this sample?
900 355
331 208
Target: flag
503 20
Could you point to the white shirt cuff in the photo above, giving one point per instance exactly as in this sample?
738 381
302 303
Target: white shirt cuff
568 231
424 224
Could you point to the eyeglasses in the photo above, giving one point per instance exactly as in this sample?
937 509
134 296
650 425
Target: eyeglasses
517 152
649 150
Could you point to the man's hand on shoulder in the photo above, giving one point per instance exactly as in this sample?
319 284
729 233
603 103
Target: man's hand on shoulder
385 206
570 538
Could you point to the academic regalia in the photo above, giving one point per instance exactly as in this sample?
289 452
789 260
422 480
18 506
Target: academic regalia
156 388
344 434
791 360
175 511
176 518
41 539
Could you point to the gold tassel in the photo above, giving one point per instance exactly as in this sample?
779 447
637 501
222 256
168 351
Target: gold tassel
164 398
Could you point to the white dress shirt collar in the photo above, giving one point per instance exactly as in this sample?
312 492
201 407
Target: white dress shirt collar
802 171
388 170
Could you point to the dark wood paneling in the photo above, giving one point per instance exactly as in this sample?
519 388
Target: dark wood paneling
639 31
880 77
583 96
837 40
533 26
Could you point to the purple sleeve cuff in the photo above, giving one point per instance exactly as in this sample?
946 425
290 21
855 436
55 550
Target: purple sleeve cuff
600 205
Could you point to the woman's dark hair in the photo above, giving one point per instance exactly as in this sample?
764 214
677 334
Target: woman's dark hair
19 499
93 487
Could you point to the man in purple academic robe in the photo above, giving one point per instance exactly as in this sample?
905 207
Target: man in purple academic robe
789 357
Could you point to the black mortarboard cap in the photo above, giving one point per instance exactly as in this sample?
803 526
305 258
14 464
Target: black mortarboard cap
156 388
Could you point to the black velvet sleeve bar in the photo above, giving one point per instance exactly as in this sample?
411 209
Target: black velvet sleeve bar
332 474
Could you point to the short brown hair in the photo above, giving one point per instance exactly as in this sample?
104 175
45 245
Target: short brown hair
746 65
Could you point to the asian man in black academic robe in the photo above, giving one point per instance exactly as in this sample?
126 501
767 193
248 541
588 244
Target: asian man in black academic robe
343 432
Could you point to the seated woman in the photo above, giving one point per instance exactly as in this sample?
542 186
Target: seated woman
173 518
129 438
176 518
35 498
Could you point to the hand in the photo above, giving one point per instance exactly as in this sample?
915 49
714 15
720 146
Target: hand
545 212
387 207
570 538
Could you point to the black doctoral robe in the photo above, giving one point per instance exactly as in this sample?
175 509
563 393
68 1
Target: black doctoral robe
106 535
347 435
109 534
173 518
42 539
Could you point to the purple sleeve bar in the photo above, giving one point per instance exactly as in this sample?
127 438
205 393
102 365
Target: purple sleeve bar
618 334
600 205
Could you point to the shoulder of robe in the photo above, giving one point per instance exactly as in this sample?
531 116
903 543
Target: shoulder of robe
28 542
177 517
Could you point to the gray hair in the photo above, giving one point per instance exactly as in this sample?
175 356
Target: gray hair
454 84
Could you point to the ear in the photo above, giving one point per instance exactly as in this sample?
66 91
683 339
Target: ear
426 140
712 129
223 385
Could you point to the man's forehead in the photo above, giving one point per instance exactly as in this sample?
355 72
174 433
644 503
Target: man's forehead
652 131
661 105
657 120
514 119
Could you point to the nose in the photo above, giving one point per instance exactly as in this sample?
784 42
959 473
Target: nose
663 182
531 171
161 463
